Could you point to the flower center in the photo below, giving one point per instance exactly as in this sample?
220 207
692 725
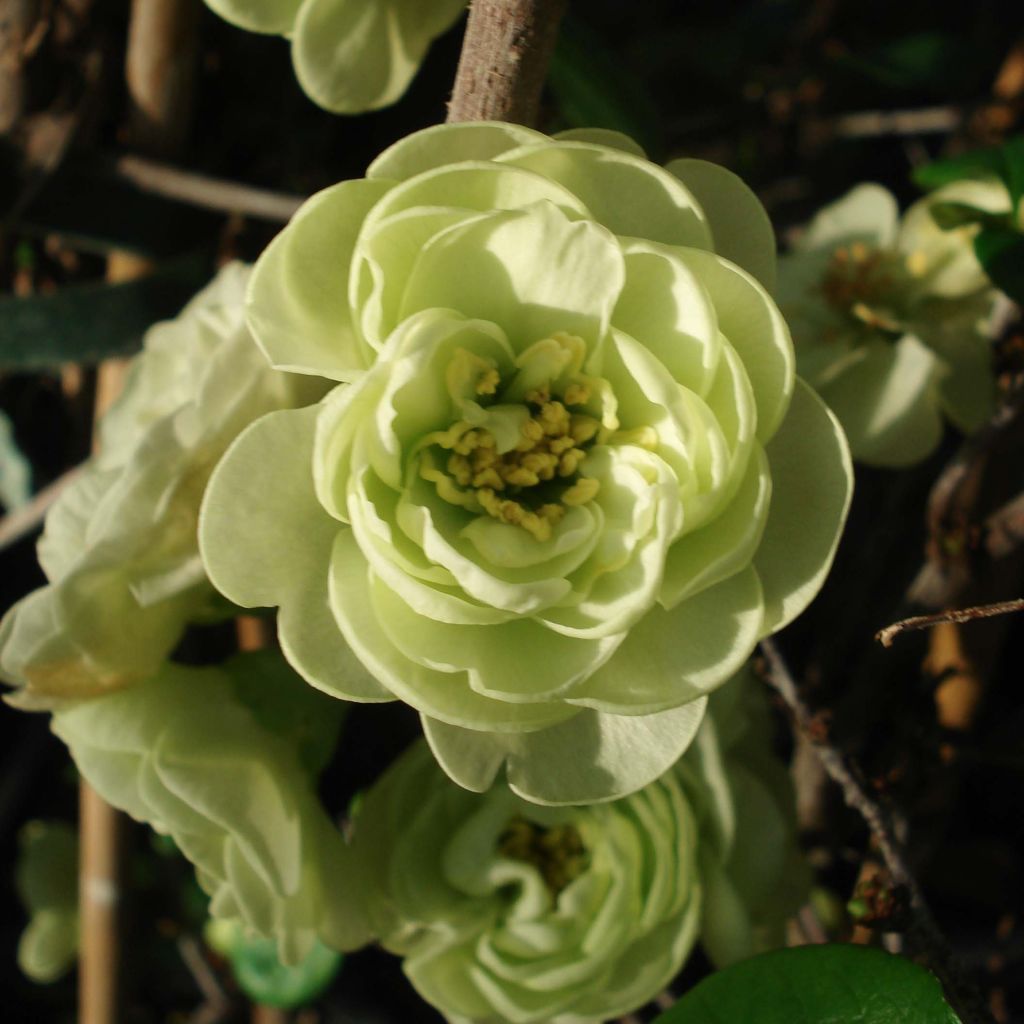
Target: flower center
866 283
557 853
517 462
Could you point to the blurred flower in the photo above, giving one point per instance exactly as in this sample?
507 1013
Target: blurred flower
224 760
509 912
350 56
46 877
119 547
572 481
889 318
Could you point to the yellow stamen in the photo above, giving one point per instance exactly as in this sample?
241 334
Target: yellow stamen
581 492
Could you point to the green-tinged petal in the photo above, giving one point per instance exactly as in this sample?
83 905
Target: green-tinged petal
867 213
267 541
476 186
298 295
472 759
812 483
754 327
275 17
726 930
591 758
607 137
314 646
740 227
625 193
596 757
261 528
532 272
383 260
725 545
520 662
667 309
887 403
351 56
233 795
443 695
445 144
967 385
671 657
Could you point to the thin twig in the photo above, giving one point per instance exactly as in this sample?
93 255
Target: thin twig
872 123
216 1003
981 611
879 819
23 521
505 56
209 193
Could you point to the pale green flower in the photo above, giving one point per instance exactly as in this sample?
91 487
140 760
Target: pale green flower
572 481
505 911
119 547
224 760
889 316
46 877
349 56
752 871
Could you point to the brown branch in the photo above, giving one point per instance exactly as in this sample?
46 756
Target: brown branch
23 521
505 58
923 930
17 27
209 193
982 611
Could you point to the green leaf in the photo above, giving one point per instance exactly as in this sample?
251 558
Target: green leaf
90 322
981 163
1013 169
1000 250
950 216
816 985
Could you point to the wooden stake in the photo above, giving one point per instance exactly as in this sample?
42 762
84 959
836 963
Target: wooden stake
159 71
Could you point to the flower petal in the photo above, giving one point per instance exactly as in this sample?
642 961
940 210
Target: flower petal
671 657
607 137
812 483
520 661
726 544
752 323
666 308
298 295
867 213
275 17
887 403
592 758
533 272
443 695
444 144
261 529
351 56
267 541
740 227
626 193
